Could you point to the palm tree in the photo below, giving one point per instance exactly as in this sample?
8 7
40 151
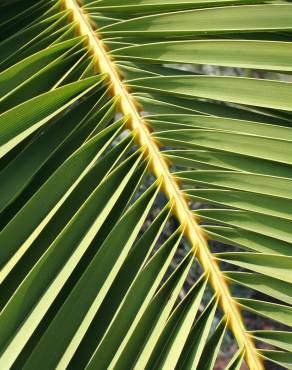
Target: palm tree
95 98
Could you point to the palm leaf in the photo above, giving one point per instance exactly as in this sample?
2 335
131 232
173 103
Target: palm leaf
145 209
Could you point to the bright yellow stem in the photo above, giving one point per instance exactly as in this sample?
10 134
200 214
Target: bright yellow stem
129 107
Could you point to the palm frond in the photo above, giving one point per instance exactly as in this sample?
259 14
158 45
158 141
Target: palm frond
95 100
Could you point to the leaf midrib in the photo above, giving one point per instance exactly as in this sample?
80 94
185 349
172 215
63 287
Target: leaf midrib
159 166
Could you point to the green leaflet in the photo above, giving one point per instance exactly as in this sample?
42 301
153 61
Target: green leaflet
176 332
268 285
134 304
15 47
248 240
19 72
167 104
143 340
123 283
229 89
279 267
274 311
212 347
52 142
110 256
216 20
60 260
280 339
67 210
258 223
219 160
244 200
281 358
181 122
232 53
155 5
275 186
19 122
24 17
236 362
197 339
48 78
229 142
33 217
